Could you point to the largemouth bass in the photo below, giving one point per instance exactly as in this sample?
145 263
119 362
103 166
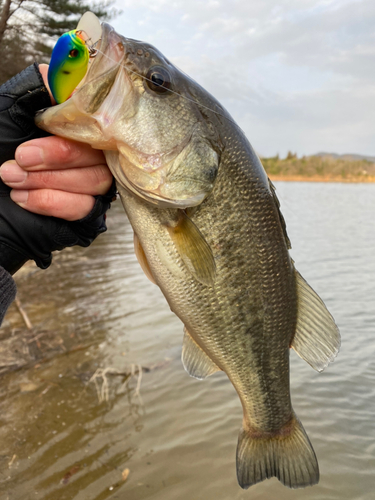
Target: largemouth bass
209 232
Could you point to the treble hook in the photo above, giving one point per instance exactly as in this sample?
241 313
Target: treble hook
93 52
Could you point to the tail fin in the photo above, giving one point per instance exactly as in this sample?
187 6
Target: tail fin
287 455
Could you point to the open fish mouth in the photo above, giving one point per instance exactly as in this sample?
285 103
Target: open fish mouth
101 40
91 28
168 166
109 43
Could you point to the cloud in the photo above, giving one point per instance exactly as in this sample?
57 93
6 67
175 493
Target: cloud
296 74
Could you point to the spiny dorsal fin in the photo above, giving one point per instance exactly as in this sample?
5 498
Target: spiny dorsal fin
282 220
193 249
195 360
317 338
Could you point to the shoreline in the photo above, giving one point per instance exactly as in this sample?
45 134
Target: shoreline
323 178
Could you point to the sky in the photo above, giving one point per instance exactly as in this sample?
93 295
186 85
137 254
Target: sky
296 75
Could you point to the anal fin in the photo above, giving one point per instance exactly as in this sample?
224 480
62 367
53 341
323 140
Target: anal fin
317 338
195 361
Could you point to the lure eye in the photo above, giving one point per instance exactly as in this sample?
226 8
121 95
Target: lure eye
73 53
158 80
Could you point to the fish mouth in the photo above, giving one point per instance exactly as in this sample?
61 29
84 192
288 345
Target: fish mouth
102 110
148 175
98 37
105 54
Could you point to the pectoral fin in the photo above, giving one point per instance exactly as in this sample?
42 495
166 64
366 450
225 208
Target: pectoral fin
195 360
317 338
193 249
142 259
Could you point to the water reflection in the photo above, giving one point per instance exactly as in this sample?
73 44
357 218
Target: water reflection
94 309
57 438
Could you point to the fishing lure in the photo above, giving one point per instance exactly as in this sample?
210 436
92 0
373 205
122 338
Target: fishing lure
68 65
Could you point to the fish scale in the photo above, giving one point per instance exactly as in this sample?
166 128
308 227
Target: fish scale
222 314
260 282
209 232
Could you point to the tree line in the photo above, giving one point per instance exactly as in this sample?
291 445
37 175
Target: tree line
29 28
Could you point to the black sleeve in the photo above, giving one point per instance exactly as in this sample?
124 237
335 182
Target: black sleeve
23 234
7 292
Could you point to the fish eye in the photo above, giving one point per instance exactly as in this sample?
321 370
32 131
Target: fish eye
73 53
158 80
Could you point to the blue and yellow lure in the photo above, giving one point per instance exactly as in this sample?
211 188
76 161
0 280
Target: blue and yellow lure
69 61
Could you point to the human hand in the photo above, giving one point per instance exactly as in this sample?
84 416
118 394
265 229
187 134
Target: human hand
56 177
65 187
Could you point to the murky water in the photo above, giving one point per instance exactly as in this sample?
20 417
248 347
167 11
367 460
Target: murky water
165 435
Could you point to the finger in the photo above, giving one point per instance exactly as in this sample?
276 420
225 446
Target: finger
68 206
56 153
86 180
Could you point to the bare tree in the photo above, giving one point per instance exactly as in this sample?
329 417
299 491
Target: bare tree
28 28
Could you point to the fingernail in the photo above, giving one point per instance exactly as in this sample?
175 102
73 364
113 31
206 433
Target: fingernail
11 173
19 196
29 156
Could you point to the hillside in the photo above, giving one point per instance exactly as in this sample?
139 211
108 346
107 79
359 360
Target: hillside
323 167
347 157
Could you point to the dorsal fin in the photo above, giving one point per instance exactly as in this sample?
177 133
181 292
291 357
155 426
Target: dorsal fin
282 220
317 338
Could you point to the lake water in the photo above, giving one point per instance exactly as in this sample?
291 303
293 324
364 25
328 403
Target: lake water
175 437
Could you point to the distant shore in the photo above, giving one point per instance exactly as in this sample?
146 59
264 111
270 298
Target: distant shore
319 169
322 178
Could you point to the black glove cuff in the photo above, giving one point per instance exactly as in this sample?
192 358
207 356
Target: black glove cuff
8 292
10 259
